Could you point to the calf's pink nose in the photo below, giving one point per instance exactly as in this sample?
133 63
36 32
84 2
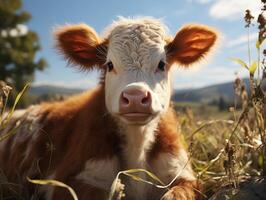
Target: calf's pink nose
133 100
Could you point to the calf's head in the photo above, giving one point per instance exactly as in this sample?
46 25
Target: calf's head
136 56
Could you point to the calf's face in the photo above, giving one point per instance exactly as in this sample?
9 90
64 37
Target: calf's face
136 56
137 82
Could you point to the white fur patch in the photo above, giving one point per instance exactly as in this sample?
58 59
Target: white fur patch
99 173
138 141
30 129
167 166
25 122
17 114
27 127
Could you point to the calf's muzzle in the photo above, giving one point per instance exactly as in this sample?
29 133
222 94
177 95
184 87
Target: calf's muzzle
135 104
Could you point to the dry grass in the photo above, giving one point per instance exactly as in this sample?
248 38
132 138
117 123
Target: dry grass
229 152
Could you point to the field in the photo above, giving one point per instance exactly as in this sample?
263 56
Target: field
224 151
225 147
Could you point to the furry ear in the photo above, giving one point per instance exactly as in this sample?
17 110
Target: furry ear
81 45
190 44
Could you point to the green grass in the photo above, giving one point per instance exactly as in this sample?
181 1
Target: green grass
203 111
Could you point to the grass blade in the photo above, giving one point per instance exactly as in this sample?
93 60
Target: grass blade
259 43
20 94
253 67
10 133
54 183
240 62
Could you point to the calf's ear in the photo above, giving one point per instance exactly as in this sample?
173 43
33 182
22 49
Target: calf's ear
191 43
81 45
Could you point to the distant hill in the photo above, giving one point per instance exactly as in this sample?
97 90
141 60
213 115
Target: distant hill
208 94
52 90
205 94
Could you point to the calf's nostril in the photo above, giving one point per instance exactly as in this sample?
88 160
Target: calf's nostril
146 99
124 99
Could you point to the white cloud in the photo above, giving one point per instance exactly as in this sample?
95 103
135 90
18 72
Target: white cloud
233 9
242 39
82 84
78 80
200 1
204 1
204 76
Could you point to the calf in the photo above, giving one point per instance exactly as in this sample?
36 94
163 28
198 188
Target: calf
124 123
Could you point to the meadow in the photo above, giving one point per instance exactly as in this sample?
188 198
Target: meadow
227 148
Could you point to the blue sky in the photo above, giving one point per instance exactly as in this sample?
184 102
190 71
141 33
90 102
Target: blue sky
224 15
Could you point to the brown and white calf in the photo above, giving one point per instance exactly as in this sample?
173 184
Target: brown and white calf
124 123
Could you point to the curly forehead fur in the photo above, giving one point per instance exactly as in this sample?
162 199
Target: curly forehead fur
136 42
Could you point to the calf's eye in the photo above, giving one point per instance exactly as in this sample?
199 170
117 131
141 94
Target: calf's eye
110 66
161 66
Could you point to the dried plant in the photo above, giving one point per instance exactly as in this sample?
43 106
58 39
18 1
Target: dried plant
241 155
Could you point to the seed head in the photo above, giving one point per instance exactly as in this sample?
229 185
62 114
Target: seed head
262 27
248 18
4 89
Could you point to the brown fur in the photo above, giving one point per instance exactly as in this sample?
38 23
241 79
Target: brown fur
183 190
74 129
79 129
82 45
169 141
190 44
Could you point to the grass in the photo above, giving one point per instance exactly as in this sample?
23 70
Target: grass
222 151
230 150
202 111
226 147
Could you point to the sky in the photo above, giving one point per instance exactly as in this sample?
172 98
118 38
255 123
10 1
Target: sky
224 15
